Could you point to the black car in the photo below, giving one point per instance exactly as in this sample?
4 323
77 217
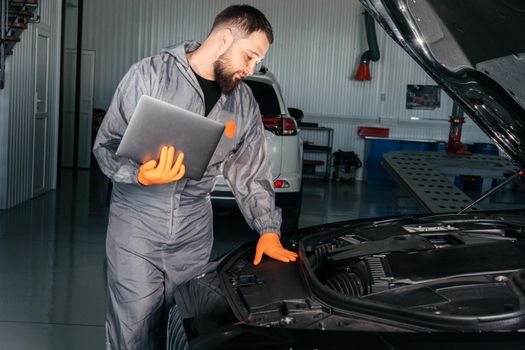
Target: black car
443 281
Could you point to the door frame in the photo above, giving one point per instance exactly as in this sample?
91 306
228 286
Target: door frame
65 111
41 30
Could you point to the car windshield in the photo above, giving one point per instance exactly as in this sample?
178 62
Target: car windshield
266 98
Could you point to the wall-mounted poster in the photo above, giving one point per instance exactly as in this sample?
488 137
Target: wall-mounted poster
423 97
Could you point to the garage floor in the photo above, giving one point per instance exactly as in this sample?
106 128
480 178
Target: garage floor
52 254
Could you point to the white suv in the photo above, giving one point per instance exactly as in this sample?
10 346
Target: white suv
284 147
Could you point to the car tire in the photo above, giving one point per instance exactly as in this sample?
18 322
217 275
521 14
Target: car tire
176 337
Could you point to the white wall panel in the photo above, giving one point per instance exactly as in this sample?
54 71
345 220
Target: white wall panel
316 50
21 107
17 103
51 19
4 136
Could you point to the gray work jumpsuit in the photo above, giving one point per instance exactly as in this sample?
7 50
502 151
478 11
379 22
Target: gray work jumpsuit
160 236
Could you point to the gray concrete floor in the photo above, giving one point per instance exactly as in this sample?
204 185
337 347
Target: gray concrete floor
52 290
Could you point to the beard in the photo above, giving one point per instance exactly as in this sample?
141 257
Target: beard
224 75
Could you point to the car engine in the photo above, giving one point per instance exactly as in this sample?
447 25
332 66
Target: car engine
426 273
467 267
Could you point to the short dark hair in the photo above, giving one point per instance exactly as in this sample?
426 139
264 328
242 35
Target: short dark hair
246 18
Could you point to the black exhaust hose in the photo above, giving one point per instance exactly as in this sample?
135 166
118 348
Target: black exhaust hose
373 49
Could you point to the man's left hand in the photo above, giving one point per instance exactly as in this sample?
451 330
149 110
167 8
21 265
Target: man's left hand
270 244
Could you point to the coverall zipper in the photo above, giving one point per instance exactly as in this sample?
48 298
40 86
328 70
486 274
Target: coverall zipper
172 209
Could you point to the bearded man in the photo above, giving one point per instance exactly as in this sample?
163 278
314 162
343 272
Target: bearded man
160 223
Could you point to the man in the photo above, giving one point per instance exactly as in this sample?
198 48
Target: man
160 223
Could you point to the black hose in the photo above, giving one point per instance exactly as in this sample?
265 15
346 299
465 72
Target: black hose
372 54
320 256
347 283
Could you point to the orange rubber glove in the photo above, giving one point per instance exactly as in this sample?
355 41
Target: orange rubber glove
270 244
165 172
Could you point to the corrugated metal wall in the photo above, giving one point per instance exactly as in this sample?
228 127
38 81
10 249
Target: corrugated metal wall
17 106
312 60
21 84
52 18
317 48
316 51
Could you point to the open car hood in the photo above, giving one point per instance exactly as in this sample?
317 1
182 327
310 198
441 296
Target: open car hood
390 283
475 50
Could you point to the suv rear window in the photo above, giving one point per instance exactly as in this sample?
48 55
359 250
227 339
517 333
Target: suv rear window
266 98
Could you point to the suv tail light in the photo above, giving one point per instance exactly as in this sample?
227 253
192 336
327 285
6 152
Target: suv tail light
282 125
281 184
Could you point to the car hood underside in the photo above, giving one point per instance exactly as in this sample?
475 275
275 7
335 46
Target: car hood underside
475 50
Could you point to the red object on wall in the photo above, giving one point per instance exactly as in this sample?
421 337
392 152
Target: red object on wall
371 131
363 72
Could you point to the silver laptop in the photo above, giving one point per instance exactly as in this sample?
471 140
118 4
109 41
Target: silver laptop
156 123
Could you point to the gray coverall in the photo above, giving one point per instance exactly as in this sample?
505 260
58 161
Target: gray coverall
160 236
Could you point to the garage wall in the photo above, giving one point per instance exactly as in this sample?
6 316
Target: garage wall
315 54
17 107
316 51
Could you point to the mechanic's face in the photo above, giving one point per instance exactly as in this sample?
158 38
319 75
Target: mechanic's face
240 60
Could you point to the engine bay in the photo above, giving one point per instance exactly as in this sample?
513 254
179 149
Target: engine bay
455 272
458 268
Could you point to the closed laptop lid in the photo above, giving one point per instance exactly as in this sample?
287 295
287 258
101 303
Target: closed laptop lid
156 123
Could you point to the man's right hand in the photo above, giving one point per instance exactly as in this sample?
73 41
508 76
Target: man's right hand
165 172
